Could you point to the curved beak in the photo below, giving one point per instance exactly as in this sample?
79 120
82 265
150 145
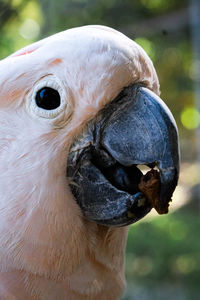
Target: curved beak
135 128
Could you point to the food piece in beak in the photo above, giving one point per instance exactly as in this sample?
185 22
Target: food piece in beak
150 187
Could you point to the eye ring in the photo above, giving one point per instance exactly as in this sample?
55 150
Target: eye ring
58 104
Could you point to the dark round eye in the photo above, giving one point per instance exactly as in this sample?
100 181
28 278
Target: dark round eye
47 98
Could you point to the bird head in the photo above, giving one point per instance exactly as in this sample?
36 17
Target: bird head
78 112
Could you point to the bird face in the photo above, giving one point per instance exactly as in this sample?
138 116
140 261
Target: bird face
79 111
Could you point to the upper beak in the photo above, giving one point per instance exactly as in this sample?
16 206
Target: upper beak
136 128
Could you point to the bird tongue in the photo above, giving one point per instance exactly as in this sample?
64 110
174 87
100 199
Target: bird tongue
122 177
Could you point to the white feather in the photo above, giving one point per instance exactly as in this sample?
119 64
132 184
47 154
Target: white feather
46 246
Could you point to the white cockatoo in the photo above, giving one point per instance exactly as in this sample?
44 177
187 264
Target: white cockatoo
78 112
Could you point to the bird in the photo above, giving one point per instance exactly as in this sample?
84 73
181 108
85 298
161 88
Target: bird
79 111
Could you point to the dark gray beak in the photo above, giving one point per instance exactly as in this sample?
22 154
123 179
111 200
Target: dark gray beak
135 128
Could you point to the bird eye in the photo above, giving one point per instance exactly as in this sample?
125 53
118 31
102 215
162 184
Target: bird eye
48 98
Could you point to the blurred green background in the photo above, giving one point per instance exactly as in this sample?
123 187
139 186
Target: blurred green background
163 252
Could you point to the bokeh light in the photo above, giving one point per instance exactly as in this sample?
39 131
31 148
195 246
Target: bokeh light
30 29
190 118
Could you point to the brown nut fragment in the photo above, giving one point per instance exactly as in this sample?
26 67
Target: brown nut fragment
150 186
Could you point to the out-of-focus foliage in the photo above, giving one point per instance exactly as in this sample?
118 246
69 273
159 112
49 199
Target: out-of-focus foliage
19 24
165 251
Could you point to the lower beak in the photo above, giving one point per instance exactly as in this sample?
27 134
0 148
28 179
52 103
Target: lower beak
136 128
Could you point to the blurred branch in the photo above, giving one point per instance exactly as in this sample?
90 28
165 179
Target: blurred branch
173 21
